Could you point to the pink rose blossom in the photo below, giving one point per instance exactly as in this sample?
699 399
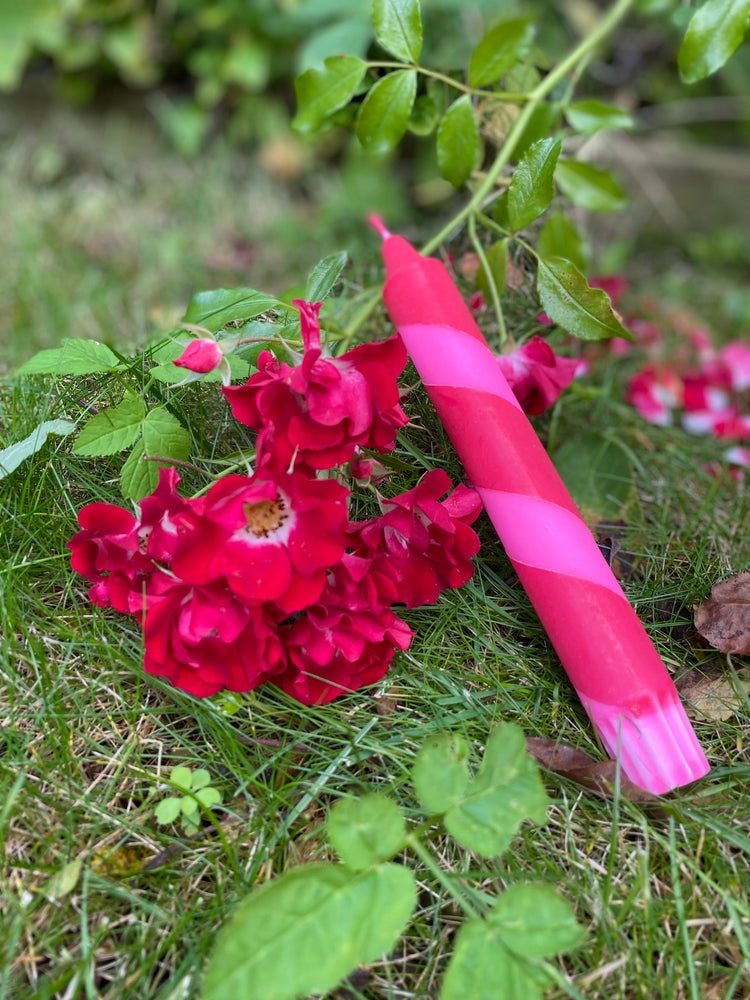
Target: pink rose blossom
537 375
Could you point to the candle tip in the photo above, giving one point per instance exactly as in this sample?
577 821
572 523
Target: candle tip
378 225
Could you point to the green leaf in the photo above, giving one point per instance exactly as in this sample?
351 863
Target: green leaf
506 790
213 310
590 116
209 797
138 478
324 275
497 258
12 456
458 142
715 30
168 810
189 806
532 186
112 430
599 475
499 50
321 92
569 301
440 773
73 357
398 28
424 116
64 881
181 777
164 435
534 921
589 187
366 830
384 114
481 968
308 929
559 237
199 778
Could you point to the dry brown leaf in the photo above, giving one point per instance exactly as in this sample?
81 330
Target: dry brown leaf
597 775
724 619
709 693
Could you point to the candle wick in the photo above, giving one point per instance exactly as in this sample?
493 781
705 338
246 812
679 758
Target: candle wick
378 225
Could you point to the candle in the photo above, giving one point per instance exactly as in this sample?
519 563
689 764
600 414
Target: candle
610 660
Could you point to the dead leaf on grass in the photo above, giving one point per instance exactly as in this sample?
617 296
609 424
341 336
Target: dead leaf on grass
597 775
709 693
724 619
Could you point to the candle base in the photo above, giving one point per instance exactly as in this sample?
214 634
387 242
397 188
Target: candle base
657 747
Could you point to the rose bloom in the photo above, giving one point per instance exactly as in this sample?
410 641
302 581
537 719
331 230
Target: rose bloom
344 642
537 375
270 536
323 408
655 391
424 542
205 639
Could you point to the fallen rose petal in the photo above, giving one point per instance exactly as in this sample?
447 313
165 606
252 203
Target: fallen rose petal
724 619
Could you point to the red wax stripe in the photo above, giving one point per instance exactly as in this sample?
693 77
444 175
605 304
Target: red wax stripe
501 451
599 638
425 293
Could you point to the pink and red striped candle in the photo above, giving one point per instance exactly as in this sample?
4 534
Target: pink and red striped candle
613 665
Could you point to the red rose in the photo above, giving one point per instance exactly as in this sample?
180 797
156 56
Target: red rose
537 375
201 356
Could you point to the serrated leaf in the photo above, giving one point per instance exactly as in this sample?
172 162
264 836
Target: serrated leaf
715 30
440 774
324 275
384 114
598 474
168 810
164 435
481 968
499 50
589 187
64 881
138 478
497 258
559 237
569 301
532 186
12 456
112 430
398 28
329 918
458 142
506 791
73 357
366 830
534 921
590 116
321 92
526 922
213 310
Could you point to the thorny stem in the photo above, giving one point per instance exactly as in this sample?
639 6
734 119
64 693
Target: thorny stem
535 98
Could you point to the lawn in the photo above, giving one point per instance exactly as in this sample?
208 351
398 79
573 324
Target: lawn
107 234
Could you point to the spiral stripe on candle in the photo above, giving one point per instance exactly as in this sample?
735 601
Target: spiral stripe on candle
455 359
540 533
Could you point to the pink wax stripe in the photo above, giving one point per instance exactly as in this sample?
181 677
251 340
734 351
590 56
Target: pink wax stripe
599 639
497 445
420 290
444 356
659 750
539 533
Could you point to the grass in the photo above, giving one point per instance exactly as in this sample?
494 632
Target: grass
113 248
